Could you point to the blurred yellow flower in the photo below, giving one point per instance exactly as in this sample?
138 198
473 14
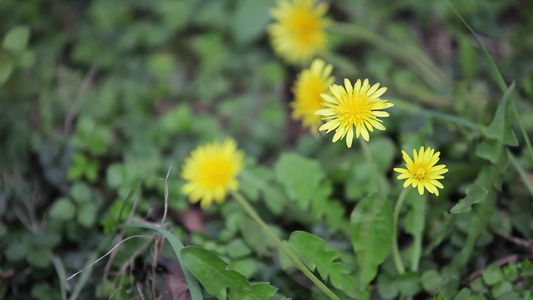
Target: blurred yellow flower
358 105
421 171
311 83
211 171
298 33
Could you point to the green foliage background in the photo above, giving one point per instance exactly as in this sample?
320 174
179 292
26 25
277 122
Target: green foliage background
97 94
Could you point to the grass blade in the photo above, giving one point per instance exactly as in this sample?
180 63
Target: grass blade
60 269
192 282
129 196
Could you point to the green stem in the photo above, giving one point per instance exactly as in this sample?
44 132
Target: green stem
395 250
251 211
428 71
375 173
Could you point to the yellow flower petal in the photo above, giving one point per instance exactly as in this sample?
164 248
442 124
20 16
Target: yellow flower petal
421 171
210 172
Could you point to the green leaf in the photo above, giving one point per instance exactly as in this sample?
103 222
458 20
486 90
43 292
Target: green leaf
16 39
474 194
211 271
371 227
87 214
408 283
257 291
492 274
317 255
386 287
6 67
250 19
501 128
81 193
464 294
495 152
510 272
300 176
177 246
39 257
62 209
258 242
431 281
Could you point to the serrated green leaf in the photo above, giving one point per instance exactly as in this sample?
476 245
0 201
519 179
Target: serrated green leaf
16 39
510 272
501 128
492 274
371 227
316 254
300 176
257 291
474 194
211 271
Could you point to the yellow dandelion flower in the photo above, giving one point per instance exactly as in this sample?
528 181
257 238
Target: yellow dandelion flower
356 106
421 171
311 83
211 171
298 33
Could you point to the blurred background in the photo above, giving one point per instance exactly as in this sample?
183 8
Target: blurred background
96 94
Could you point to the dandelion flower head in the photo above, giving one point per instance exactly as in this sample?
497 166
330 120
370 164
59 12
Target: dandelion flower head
358 106
310 84
298 32
421 171
211 171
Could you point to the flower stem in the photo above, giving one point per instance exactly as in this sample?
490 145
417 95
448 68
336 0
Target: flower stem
255 216
373 166
395 250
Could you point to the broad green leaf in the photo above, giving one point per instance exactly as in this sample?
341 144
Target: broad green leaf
510 272
300 176
492 274
16 39
474 194
408 283
62 209
257 291
6 67
86 214
502 288
250 19
386 287
317 255
258 242
500 128
431 281
464 294
81 193
211 271
177 246
371 227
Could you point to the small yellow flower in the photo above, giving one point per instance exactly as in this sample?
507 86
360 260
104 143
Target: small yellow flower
211 171
311 83
356 106
298 33
421 171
